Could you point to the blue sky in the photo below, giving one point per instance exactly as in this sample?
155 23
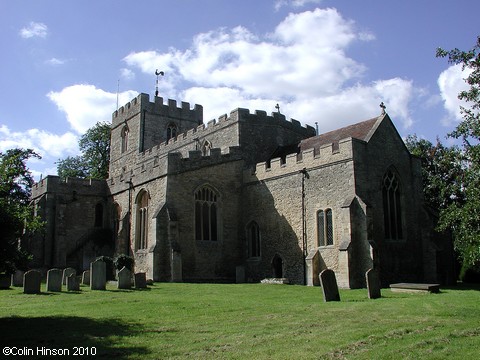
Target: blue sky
325 61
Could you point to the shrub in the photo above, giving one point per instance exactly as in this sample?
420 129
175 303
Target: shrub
124 260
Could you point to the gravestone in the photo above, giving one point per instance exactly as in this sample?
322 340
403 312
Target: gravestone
5 281
373 284
54 280
86 277
140 280
31 282
328 282
240 274
72 283
98 275
124 278
66 273
17 278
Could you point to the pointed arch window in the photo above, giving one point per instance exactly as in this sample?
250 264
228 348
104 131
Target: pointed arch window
171 131
124 136
206 147
392 211
141 234
325 227
253 238
206 214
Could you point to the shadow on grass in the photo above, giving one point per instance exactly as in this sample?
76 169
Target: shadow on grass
68 332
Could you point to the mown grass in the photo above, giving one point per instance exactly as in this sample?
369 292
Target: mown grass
247 321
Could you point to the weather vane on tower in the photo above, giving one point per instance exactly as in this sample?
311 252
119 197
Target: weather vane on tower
156 83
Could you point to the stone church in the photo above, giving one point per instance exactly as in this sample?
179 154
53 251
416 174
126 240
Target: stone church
246 197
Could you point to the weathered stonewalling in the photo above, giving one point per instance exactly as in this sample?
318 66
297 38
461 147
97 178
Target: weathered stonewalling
196 202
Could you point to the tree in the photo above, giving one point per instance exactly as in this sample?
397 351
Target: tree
463 216
95 158
442 171
16 215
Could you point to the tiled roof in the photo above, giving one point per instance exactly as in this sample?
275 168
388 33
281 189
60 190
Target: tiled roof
359 131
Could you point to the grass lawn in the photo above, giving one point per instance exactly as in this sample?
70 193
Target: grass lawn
247 321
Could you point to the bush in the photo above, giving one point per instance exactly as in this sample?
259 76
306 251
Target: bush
124 260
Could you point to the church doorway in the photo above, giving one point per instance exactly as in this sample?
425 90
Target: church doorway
277 264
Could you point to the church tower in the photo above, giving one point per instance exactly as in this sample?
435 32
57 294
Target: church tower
140 125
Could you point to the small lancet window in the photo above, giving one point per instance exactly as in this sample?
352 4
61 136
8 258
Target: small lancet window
98 215
124 146
253 238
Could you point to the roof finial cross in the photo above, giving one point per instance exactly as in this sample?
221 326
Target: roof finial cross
278 108
382 105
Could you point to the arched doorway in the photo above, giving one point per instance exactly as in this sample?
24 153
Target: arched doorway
277 265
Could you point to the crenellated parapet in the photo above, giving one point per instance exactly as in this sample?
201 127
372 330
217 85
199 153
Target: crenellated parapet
142 103
275 119
155 167
311 158
54 184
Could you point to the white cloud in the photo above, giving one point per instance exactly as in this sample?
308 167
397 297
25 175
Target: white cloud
294 3
49 146
85 105
451 82
55 62
45 143
302 65
34 29
127 74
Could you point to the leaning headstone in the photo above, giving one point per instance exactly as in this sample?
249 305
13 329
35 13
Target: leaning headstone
98 275
373 284
124 278
17 278
329 286
31 282
66 273
140 280
54 280
72 283
86 277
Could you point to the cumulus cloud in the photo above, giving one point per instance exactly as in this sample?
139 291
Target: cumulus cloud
451 82
302 64
34 29
85 105
48 145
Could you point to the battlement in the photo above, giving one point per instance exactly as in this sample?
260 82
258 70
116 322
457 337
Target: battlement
310 158
275 119
174 162
55 184
142 102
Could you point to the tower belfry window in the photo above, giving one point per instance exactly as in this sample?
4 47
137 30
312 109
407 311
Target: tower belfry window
171 131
